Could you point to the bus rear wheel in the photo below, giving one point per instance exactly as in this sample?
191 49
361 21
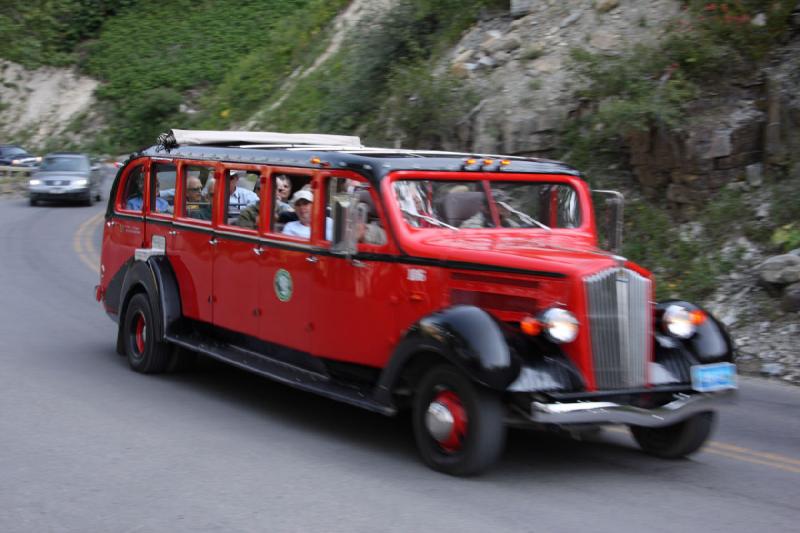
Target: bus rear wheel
145 354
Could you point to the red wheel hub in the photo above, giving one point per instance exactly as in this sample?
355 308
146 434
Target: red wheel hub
140 333
447 420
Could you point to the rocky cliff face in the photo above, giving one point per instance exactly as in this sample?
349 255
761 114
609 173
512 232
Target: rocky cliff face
521 63
36 105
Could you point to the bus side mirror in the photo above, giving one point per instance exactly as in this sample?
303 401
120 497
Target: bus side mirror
348 216
612 212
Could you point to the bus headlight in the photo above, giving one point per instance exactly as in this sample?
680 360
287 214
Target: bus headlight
681 322
559 325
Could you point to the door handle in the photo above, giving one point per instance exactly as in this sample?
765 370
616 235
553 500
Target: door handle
110 224
312 259
172 232
213 241
358 263
258 250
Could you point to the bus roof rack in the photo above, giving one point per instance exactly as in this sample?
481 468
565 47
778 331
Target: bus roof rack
174 138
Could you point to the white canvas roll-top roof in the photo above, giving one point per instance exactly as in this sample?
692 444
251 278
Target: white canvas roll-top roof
200 137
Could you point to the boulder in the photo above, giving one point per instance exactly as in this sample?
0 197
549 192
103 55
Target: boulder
755 174
604 40
791 298
772 369
780 270
520 8
604 6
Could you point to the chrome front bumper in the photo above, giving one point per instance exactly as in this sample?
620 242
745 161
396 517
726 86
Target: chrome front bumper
678 410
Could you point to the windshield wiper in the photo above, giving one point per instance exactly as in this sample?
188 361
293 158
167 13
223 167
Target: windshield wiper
523 217
432 220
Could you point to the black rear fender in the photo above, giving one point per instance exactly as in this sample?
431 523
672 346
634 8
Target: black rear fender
156 278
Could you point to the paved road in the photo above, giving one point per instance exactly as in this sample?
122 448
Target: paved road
87 445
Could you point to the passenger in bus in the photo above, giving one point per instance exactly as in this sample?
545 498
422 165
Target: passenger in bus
135 203
196 206
283 189
249 216
303 201
239 196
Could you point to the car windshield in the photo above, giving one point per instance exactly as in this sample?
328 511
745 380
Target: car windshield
64 164
481 204
14 150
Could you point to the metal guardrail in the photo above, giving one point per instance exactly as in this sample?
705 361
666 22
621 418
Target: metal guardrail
14 179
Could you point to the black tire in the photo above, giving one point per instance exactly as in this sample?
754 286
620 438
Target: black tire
678 440
33 202
98 197
88 200
145 354
483 440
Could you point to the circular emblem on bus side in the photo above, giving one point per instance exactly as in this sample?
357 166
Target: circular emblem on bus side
283 285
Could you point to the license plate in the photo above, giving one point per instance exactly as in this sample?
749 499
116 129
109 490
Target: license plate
56 190
714 377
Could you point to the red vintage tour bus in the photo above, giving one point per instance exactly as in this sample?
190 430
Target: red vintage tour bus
470 289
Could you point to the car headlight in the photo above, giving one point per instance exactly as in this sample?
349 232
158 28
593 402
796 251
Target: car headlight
681 322
80 183
16 161
35 182
559 325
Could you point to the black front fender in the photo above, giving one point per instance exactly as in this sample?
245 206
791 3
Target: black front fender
464 335
711 343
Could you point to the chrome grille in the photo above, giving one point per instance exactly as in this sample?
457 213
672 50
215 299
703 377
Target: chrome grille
620 327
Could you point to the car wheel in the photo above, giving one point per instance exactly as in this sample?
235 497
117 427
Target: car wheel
145 354
88 200
33 202
678 440
458 425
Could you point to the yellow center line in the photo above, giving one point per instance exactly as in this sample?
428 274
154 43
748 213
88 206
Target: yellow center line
765 455
746 458
83 245
732 451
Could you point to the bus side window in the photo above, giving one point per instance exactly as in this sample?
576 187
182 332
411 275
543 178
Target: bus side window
133 198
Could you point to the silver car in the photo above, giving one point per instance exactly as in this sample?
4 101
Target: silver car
66 177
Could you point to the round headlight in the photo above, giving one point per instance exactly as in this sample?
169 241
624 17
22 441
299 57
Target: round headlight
678 322
559 325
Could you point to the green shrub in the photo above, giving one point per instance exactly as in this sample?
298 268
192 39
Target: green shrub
385 64
47 32
425 109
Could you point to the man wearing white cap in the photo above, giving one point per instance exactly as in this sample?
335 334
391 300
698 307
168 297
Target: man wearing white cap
240 198
302 202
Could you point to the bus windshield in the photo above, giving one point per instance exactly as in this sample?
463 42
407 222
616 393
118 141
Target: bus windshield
483 204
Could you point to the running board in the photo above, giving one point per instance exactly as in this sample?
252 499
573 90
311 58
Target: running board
282 372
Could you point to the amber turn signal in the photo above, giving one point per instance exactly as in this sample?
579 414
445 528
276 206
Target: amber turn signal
530 326
697 317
